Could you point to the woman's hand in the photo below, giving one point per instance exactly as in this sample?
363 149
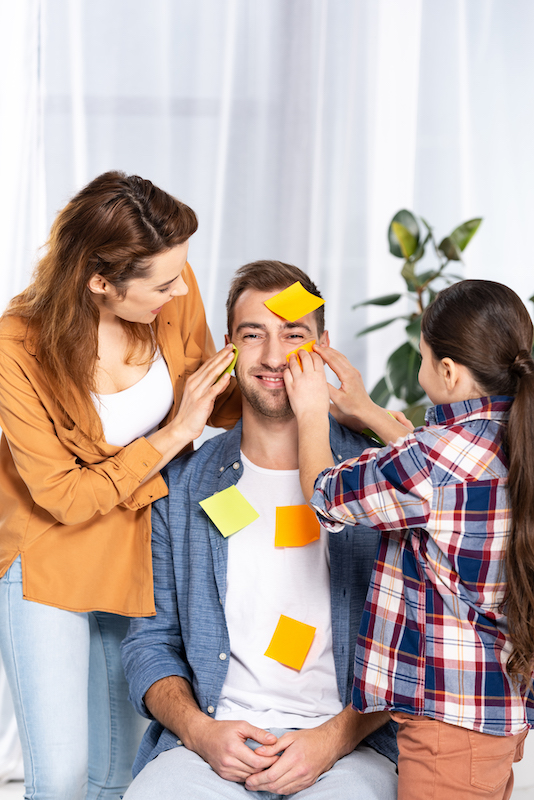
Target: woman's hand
201 390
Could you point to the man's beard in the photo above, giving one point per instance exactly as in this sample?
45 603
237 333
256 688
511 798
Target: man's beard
275 406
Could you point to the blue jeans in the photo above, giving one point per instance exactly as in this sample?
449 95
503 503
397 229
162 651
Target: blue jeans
78 731
181 774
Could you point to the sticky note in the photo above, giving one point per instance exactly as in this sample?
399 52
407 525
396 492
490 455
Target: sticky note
294 302
308 346
291 642
296 526
231 365
229 510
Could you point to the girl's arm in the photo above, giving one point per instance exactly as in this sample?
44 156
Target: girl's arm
352 399
308 394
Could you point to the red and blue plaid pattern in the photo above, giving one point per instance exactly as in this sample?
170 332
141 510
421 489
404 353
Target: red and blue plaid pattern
433 639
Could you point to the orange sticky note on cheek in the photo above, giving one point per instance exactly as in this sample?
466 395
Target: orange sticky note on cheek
308 347
296 526
291 642
294 302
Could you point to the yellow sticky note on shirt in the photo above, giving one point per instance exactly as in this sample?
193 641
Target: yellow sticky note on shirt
291 642
308 346
231 365
229 510
294 302
296 526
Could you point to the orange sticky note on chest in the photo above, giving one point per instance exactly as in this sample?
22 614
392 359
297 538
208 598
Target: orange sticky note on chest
296 526
294 302
291 642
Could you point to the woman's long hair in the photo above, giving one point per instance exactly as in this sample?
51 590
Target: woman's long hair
112 227
485 326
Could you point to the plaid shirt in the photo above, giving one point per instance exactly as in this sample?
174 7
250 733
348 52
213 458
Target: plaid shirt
433 641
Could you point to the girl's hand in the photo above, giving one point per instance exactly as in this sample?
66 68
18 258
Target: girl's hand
199 395
306 387
351 398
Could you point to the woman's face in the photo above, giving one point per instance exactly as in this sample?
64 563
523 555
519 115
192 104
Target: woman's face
145 297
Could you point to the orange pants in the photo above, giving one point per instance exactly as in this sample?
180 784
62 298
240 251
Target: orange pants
444 762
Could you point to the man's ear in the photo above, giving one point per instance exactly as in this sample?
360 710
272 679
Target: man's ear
97 284
324 339
227 339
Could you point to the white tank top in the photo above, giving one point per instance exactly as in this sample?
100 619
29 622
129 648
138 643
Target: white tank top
138 410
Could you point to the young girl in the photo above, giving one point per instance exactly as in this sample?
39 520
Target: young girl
447 639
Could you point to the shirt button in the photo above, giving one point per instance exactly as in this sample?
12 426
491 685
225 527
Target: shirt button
222 656
221 469
210 709
340 456
235 465
178 741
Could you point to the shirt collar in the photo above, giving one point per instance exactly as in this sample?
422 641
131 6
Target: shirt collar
495 407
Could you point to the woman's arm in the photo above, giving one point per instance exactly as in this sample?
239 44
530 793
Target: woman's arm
64 472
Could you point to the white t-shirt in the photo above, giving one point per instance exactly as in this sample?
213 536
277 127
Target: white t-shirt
138 410
263 582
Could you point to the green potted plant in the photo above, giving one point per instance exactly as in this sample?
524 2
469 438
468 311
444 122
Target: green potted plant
408 239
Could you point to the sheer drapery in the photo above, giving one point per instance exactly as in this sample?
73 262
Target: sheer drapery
295 129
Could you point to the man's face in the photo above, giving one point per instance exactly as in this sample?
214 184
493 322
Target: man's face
264 340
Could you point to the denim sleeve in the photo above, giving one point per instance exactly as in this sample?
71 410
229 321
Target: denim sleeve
153 648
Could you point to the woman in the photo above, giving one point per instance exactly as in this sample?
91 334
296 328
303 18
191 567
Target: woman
107 371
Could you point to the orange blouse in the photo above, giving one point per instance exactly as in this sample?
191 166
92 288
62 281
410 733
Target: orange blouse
72 508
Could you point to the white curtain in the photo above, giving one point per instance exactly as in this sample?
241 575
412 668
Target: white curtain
295 129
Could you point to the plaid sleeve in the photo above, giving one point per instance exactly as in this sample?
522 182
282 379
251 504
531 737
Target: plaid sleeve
386 489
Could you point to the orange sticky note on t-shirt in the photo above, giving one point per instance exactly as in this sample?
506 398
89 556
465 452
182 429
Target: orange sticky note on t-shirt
294 302
296 526
291 642
308 346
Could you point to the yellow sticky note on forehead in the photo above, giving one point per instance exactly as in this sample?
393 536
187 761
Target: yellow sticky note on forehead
294 302
291 642
229 510
296 526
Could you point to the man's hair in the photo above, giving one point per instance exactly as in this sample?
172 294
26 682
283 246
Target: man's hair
267 276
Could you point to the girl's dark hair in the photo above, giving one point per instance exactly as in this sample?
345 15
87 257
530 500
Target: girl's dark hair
113 227
485 326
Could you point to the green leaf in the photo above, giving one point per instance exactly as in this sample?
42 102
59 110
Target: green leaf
402 369
408 242
408 273
531 299
419 253
427 226
413 331
378 325
450 249
463 234
385 300
409 222
380 393
416 414
426 277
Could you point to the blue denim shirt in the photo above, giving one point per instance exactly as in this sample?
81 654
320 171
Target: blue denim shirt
188 636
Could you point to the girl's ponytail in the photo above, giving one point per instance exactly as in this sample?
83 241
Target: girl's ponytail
485 326
519 604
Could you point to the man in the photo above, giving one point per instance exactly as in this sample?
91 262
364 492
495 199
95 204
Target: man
229 720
